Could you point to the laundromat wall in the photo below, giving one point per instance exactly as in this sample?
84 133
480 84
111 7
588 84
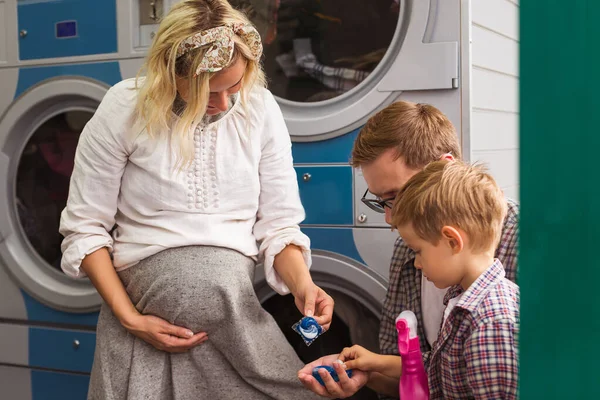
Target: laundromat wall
494 125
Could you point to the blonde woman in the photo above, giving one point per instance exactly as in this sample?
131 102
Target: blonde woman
183 179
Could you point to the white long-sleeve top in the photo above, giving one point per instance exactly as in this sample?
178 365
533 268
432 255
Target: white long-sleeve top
240 192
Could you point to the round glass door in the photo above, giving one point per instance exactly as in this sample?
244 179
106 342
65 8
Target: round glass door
316 50
42 185
38 138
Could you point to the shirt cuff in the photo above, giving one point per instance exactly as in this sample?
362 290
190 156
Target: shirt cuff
274 248
76 252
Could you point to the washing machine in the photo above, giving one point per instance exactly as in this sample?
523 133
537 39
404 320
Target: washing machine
57 60
331 65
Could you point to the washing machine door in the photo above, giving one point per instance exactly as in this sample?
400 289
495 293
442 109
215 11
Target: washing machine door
334 63
38 138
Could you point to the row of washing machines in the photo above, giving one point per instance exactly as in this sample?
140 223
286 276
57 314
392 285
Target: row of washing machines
59 57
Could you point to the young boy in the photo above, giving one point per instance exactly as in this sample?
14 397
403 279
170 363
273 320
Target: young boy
451 215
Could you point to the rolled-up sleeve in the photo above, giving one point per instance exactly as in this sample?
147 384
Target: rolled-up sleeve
280 210
95 183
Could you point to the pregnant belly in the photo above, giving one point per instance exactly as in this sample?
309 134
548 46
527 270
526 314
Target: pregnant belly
197 287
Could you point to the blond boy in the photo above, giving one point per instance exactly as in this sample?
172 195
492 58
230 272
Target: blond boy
451 215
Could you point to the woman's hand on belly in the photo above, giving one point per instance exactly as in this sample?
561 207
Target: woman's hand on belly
163 335
154 330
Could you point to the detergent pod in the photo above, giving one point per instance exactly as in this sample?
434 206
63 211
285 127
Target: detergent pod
331 371
308 329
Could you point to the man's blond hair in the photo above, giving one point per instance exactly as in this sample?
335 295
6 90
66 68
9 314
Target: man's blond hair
452 193
420 133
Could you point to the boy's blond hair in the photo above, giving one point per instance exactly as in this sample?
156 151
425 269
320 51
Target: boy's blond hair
452 193
420 133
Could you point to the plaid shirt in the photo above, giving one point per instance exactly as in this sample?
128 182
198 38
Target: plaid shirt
476 354
404 291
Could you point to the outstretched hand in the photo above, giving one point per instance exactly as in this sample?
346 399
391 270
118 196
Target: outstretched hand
346 386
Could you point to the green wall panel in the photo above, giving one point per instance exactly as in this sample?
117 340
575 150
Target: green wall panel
560 199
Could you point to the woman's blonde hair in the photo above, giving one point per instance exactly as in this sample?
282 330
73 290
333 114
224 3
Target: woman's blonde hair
158 90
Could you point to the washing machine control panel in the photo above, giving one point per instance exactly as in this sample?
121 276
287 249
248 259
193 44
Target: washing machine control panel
57 29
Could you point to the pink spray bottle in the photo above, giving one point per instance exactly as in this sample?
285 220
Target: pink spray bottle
413 382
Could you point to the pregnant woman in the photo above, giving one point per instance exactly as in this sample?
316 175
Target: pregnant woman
183 180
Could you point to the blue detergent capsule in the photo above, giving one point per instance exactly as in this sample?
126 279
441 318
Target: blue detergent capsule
331 371
309 329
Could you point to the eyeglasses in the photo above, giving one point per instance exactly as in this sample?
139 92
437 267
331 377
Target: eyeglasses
378 205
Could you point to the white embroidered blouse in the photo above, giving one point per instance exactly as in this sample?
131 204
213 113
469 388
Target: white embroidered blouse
240 191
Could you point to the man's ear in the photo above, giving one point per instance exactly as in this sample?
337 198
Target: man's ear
454 239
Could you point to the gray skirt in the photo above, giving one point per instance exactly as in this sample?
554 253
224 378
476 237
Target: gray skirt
205 289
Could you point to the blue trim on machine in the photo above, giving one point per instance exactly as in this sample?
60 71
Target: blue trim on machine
337 240
336 150
107 72
36 311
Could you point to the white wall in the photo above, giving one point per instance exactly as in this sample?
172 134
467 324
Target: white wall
495 90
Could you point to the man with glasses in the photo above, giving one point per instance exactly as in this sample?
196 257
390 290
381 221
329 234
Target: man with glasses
377 205
394 145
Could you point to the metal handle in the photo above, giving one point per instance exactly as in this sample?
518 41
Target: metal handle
306 177
22 33
362 218
153 15
76 344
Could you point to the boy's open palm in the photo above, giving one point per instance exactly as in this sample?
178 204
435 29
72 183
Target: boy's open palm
346 386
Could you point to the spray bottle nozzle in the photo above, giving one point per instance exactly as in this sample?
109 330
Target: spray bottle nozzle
406 325
403 333
401 325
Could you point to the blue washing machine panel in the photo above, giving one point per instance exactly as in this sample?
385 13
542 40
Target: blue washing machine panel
326 193
39 312
336 150
66 28
107 72
336 240
46 385
60 349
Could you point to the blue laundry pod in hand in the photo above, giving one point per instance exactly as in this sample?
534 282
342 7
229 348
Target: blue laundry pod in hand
331 371
308 329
